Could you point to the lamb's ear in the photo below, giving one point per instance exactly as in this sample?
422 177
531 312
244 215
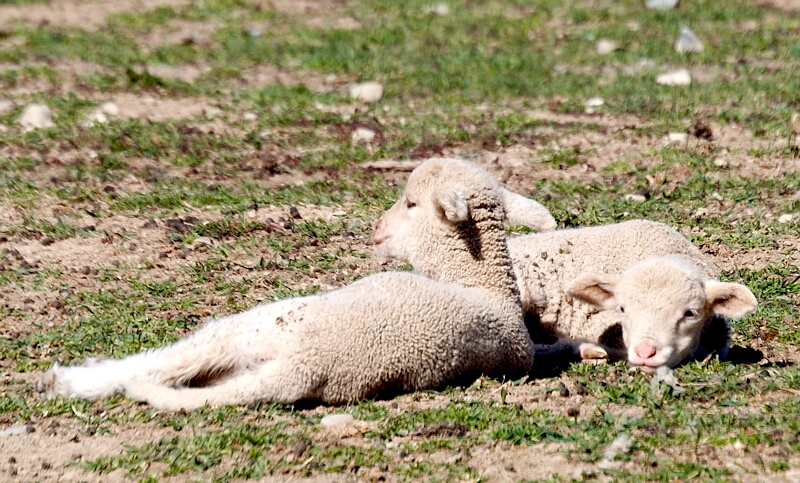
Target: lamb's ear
596 289
730 299
526 211
450 205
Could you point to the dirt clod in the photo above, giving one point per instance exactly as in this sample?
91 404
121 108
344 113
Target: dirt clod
47 241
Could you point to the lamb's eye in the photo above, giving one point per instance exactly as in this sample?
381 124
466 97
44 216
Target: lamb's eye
622 309
410 204
690 314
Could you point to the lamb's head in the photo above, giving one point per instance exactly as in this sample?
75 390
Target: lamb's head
664 302
449 217
435 206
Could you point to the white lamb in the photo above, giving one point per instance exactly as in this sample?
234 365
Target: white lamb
459 316
666 318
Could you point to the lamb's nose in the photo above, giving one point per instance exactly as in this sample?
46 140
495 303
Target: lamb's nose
645 350
377 232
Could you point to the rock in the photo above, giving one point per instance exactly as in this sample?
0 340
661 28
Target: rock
36 116
367 91
679 77
249 116
594 102
717 196
363 134
785 218
6 105
688 42
440 9
701 212
661 4
13 431
678 139
201 241
95 117
606 46
332 420
109 108
636 197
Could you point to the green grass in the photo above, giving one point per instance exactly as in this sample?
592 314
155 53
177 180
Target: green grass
472 83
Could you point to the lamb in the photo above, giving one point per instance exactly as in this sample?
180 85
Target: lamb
457 317
553 270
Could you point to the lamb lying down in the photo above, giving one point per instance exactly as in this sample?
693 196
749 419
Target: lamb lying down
459 316
658 295
668 310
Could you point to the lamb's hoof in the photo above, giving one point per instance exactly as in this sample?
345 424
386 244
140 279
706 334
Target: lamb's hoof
592 352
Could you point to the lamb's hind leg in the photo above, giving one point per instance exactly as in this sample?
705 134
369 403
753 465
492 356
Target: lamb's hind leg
271 381
201 354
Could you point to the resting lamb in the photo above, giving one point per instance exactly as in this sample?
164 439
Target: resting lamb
546 263
458 316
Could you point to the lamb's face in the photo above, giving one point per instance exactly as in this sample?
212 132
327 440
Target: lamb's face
432 205
664 303
663 310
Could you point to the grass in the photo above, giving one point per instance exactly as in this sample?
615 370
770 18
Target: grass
502 82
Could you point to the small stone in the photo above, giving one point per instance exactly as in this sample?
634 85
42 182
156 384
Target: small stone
688 42
12 460
85 270
202 241
678 139
661 4
149 224
47 241
785 218
76 457
367 91
363 134
717 196
332 420
701 212
721 163
95 117
606 46
294 213
36 116
440 9
680 77
46 465
109 108
636 197
573 412
562 390
249 116
5 106
509 467
594 102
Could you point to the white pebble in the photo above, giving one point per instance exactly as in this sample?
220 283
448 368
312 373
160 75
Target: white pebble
606 46
717 196
95 117
109 108
688 41
249 116
721 163
6 105
367 91
679 77
440 9
636 197
678 138
13 431
594 102
701 212
363 134
785 218
36 116
661 4
332 420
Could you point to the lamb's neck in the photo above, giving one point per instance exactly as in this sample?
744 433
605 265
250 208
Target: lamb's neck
477 258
